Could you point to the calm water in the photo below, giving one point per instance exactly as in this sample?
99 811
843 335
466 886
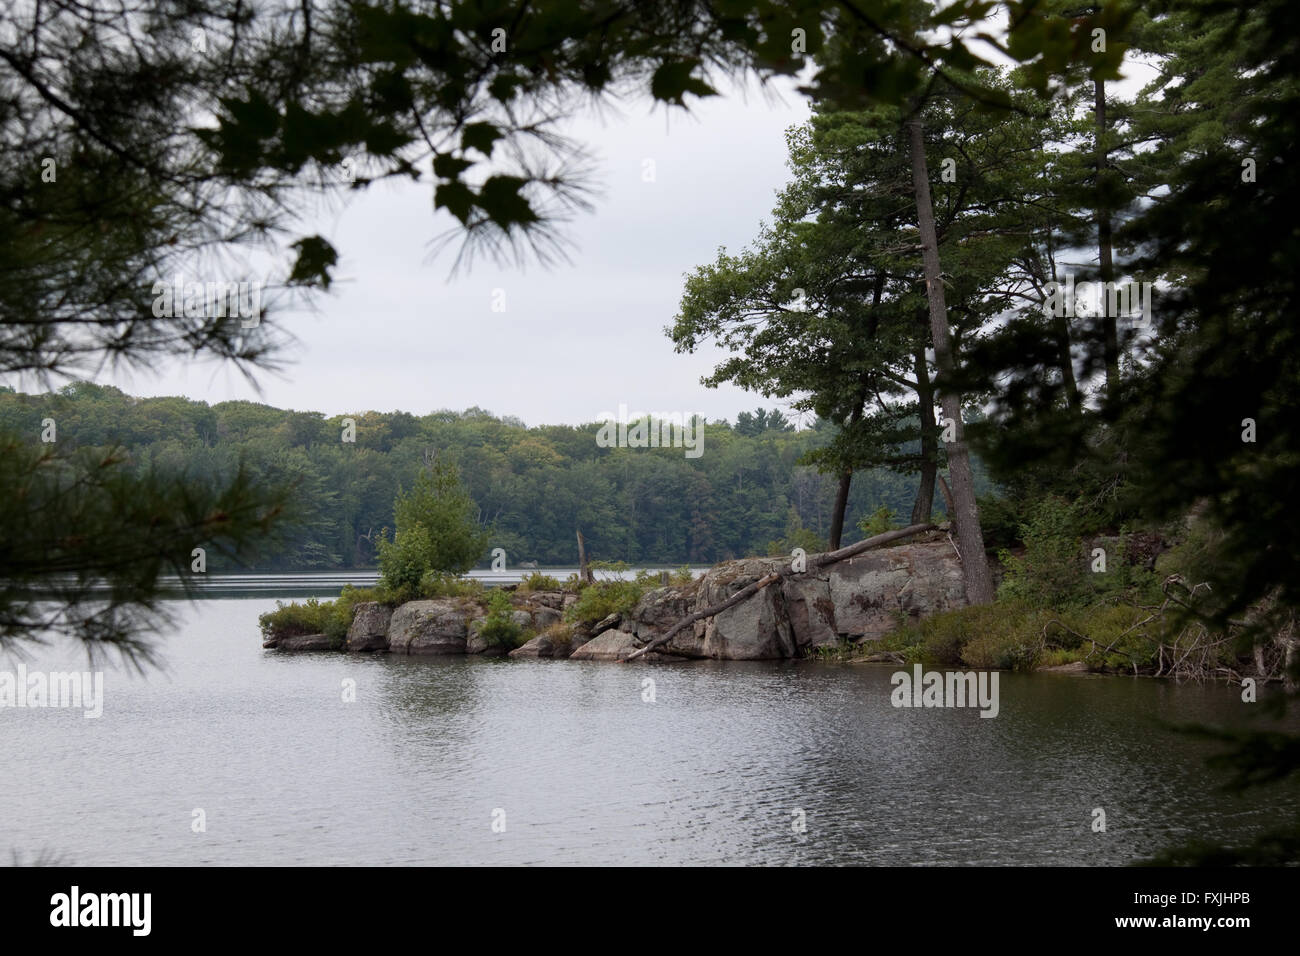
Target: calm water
587 772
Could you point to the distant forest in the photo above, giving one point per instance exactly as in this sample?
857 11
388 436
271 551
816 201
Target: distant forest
747 494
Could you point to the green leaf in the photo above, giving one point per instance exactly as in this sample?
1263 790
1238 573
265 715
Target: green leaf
448 166
456 198
501 200
480 136
674 79
315 258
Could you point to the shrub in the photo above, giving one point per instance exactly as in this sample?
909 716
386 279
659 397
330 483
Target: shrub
599 600
437 530
560 632
540 582
438 584
499 628
404 559
292 620
683 575
1052 572
311 617
880 521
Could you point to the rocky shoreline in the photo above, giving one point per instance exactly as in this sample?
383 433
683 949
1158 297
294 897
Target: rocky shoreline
857 600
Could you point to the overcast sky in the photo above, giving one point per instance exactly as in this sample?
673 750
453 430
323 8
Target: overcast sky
576 340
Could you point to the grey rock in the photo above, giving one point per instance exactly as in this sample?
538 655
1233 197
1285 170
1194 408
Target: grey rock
657 612
439 626
810 609
878 590
551 599
861 598
369 630
544 617
755 629
612 645
306 642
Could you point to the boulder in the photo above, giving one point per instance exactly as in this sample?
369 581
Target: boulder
551 599
811 611
549 644
861 598
369 630
613 645
755 629
659 610
878 590
439 626
544 617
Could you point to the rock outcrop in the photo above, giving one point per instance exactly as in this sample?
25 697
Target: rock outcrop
440 626
303 642
859 599
369 630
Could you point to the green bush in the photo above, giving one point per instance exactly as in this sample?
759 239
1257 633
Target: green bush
1011 635
540 582
404 559
1001 518
683 575
499 628
335 617
880 521
438 584
1052 572
437 530
293 620
560 632
599 600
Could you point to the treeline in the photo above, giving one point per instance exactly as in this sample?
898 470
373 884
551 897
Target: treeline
746 494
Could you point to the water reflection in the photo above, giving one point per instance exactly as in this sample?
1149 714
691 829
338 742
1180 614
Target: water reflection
715 771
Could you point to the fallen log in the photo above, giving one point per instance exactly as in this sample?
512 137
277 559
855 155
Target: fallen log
815 561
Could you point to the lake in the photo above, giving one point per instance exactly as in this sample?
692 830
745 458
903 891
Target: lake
573 766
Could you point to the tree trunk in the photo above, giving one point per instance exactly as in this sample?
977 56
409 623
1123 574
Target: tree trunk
1061 331
970 538
584 572
846 478
855 416
1104 246
924 504
841 505
947 498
